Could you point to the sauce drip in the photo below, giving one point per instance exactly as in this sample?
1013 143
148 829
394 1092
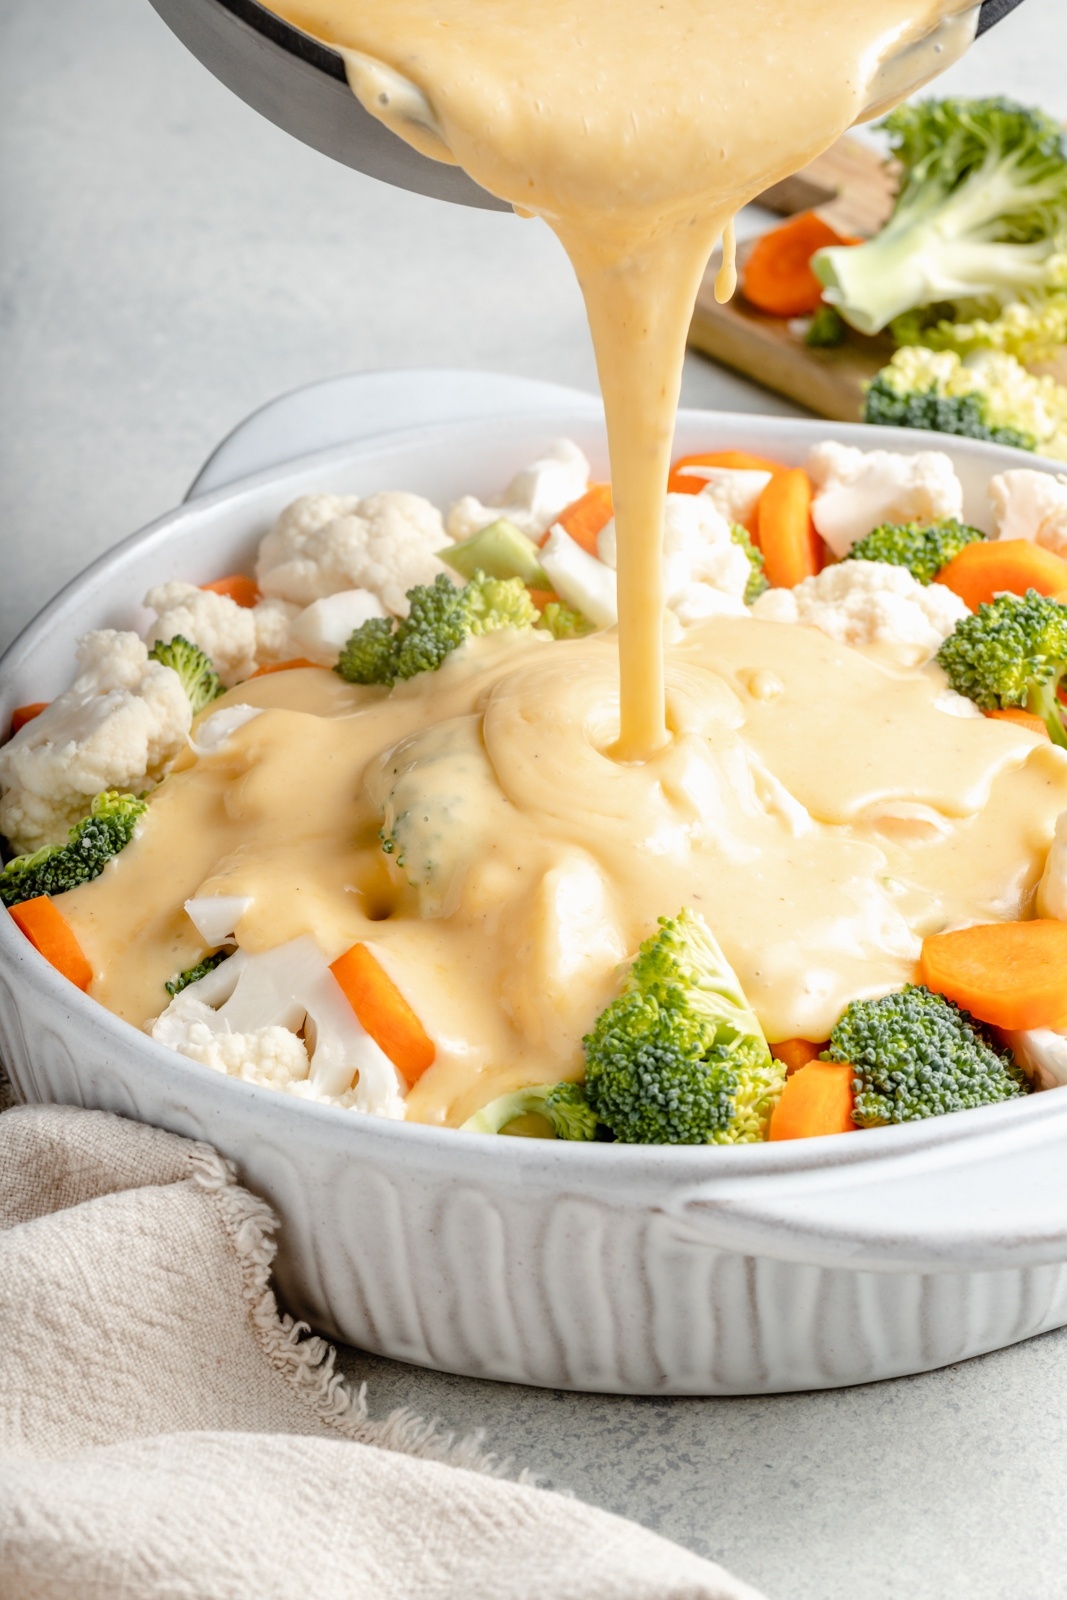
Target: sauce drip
636 131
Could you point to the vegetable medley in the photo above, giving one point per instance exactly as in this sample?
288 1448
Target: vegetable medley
867 548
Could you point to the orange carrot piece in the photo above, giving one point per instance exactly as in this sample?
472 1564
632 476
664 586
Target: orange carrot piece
796 1053
584 517
384 1012
1010 974
237 587
52 935
23 714
283 666
1025 719
997 566
543 597
684 481
792 550
815 1101
777 276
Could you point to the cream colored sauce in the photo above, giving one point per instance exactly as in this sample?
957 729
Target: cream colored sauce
636 131
813 803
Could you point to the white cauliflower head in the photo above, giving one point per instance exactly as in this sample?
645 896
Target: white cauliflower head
323 544
273 621
221 628
870 603
701 558
734 491
857 490
119 726
1031 505
533 499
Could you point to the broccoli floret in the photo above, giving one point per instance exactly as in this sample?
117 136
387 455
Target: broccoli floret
923 550
563 1105
175 986
199 678
1012 652
826 330
441 618
917 1055
1027 332
679 1057
564 623
107 829
757 581
979 217
991 397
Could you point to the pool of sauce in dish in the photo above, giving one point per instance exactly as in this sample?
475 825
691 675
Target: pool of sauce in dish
818 806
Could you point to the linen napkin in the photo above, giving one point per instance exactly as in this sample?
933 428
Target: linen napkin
165 1432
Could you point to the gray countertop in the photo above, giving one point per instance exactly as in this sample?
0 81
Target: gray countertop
171 261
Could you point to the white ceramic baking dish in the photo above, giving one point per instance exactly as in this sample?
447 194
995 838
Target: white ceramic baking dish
601 1267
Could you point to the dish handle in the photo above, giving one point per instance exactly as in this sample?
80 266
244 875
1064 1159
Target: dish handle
987 1203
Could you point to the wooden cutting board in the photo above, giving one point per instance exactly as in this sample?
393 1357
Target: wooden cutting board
852 187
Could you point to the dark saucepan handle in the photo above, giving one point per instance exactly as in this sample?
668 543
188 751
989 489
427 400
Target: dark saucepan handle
992 11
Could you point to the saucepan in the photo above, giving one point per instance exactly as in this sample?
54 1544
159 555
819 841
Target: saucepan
300 84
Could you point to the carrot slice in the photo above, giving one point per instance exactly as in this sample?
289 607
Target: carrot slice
684 481
584 517
52 935
792 550
384 1012
815 1101
777 276
543 597
997 566
23 714
237 587
283 666
1025 719
1010 974
796 1053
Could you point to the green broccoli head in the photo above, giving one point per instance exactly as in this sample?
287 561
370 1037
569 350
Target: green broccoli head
979 217
923 550
1012 652
564 623
199 678
175 986
442 616
107 829
679 1057
826 330
916 1054
757 581
563 1105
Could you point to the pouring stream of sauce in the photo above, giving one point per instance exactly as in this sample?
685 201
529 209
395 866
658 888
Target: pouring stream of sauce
636 131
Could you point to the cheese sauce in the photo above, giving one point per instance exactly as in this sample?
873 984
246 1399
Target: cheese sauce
817 806
636 131
546 802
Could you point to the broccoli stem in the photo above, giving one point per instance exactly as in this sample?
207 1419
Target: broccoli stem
1043 701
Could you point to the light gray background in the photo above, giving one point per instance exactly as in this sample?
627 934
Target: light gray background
171 261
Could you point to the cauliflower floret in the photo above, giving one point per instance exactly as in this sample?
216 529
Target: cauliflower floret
224 630
734 491
322 544
702 560
870 603
119 726
533 499
1042 1053
273 621
321 631
856 490
1031 505
273 1055
1052 890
